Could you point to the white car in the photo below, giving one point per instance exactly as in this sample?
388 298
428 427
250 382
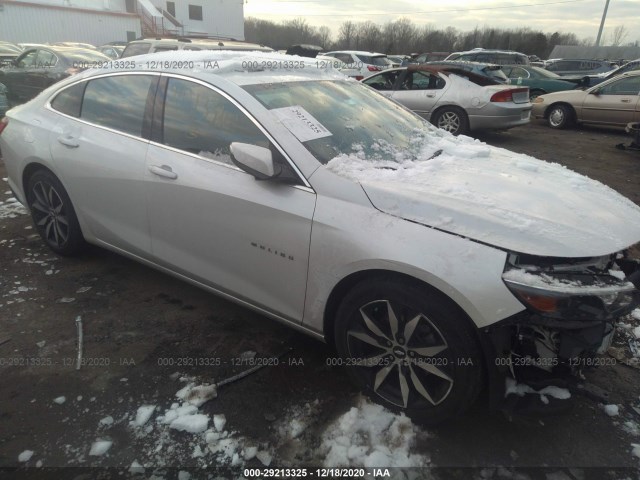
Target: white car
367 63
435 264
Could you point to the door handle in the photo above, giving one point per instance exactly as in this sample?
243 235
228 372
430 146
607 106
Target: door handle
163 171
68 141
431 95
625 100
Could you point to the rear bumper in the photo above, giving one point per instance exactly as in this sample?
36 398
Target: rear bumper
509 118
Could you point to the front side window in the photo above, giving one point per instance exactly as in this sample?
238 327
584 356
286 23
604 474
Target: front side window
199 120
383 81
516 72
195 12
29 60
625 86
117 102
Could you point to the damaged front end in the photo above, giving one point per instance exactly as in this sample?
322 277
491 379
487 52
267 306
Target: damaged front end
571 309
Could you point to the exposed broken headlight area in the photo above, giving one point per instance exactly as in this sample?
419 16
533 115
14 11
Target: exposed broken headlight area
572 306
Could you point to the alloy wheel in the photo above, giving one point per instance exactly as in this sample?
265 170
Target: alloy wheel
402 353
50 214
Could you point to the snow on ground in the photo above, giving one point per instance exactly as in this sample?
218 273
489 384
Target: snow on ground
11 208
369 435
520 389
25 456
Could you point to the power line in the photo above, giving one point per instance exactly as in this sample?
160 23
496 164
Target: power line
410 13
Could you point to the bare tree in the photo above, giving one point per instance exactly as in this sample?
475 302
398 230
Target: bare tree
324 34
618 35
346 34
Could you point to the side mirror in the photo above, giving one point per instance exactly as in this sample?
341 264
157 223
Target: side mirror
255 160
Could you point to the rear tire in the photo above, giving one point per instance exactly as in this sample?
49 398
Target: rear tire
560 116
53 214
452 119
409 348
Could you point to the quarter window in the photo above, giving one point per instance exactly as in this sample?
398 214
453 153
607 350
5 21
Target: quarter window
117 102
69 100
28 60
201 121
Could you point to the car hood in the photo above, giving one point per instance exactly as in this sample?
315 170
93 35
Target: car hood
498 197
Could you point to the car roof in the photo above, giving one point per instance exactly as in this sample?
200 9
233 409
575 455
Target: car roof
239 67
359 52
489 50
216 42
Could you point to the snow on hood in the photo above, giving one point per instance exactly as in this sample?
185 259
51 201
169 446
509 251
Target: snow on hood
506 199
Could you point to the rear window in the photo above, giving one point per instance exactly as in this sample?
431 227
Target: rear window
117 102
136 49
380 60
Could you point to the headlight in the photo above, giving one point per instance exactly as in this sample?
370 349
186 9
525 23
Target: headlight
573 296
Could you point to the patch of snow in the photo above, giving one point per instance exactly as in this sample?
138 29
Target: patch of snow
143 415
25 456
136 468
369 435
520 389
219 421
66 300
41 344
636 332
106 421
619 274
195 423
636 314
611 410
198 395
264 457
60 400
83 289
636 449
100 447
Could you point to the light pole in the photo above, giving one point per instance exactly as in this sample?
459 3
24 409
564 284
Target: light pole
604 16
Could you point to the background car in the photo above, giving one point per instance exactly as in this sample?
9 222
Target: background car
614 103
38 68
454 99
323 61
578 66
9 52
111 51
539 80
366 62
593 80
153 45
489 70
498 57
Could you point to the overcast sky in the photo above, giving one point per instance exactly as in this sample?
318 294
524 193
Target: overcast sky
581 17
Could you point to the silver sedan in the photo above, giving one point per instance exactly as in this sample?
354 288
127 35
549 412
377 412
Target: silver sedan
427 260
454 99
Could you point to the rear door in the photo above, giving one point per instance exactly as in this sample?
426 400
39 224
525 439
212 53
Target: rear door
100 147
213 222
15 76
615 103
420 92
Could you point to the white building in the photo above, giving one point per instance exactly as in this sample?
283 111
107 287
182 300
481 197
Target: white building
101 21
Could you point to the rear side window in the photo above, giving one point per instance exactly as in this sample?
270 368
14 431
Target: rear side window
117 102
136 49
201 121
69 100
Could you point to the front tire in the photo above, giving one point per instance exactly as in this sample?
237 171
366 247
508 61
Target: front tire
53 214
409 348
452 119
560 116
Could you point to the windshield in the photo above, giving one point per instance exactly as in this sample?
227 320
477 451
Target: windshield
357 118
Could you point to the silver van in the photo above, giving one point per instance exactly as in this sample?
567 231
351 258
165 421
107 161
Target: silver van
152 45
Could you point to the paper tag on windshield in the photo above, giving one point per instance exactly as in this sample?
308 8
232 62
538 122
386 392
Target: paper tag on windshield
301 123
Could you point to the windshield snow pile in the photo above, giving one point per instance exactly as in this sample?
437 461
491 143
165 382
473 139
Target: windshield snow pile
511 200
